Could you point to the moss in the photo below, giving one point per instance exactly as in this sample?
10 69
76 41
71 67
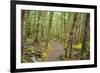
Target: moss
78 46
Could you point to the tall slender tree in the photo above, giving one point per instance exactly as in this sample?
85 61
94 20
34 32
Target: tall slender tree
49 29
70 41
24 15
85 37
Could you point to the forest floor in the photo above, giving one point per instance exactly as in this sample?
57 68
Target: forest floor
56 52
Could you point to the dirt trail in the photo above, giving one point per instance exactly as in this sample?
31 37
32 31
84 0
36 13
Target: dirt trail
55 52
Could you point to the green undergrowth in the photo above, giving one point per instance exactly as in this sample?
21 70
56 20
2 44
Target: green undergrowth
78 46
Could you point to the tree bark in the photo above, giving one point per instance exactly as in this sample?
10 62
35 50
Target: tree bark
23 26
85 37
68 49
49 29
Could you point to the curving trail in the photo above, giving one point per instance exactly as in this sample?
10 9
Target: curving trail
55 52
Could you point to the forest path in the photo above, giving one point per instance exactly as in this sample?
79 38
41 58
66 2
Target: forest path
57 50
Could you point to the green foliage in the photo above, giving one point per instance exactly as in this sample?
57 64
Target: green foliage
78 46
44 56
30 52
26 59
29 41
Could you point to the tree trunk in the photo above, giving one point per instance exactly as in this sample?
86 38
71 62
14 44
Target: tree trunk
49 29
85 36
70 40
23 24
37 28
